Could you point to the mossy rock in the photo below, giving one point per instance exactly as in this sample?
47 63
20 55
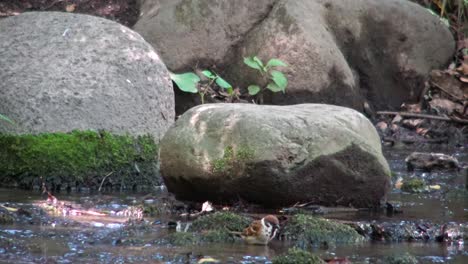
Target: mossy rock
413 186
199 238
221 220
296 255
183 239
307 230
79 158
212 228
400 259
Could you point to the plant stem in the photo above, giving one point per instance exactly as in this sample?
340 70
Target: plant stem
202 97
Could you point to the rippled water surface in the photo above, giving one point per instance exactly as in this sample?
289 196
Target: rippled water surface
102 239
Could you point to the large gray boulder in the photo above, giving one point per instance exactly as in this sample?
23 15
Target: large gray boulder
63 72
348 52
344 52
275 155
188 33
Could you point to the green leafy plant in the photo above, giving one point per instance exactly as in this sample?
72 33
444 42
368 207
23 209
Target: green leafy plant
190 82
274 79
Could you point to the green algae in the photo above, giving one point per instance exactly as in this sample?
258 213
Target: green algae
296 255
306 230
79 157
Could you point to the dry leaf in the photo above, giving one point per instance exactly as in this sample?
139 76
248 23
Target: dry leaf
464 79
413 108
208 260
207 207
422 131
399 183
70 8
397 119
464 67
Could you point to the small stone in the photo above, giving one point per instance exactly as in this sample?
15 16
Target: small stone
430 161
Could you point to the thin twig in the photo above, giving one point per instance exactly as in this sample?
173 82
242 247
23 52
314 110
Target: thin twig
102 182
412 141
408 114
424 116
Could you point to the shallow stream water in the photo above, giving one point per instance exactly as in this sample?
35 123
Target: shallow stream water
45 238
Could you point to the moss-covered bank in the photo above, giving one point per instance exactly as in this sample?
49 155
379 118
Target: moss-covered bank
78 159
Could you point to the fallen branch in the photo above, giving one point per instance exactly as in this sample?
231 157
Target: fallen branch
408 114
424 116
412 141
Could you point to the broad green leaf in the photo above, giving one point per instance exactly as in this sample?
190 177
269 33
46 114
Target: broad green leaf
280 80
276 63
186 82
209 74
253 89
5 118
249 61
259 62
274 88
230 91
222 83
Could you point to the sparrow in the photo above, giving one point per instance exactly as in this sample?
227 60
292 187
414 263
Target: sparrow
260 232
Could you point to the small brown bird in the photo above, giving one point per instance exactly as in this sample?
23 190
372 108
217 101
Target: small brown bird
261 231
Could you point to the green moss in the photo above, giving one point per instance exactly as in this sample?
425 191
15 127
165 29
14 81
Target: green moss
233 158
221 220
152 210
183 239
217 236
413 186
400 259
82 157
296 255
212 228
308 230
